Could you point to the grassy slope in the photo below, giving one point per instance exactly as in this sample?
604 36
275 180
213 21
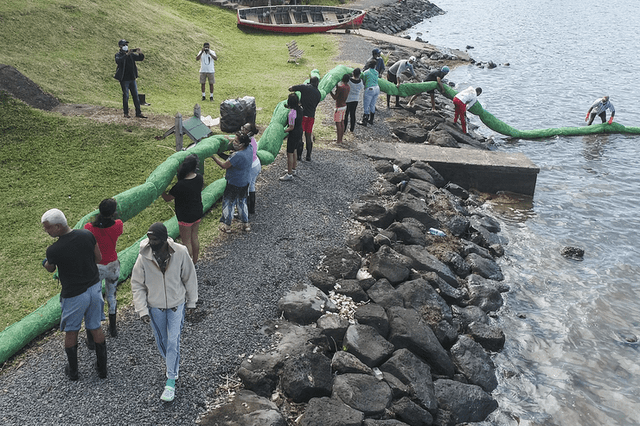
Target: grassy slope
72 163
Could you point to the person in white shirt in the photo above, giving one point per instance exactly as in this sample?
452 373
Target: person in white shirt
463 100
600 107
207 69
394 74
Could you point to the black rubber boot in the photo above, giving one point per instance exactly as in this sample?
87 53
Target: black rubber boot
90 344
252 202
388 99
365 120
309 148
71 369
371 118
113 330
101 356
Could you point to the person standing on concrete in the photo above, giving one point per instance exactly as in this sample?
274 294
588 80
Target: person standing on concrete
75 255
599 108
340 96
163 283
436 75
395 72
126 74
206 56
310 97
462 101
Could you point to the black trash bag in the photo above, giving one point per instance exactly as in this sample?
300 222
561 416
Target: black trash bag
236 112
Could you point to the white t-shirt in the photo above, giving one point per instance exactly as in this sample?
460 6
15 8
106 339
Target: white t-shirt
206 62
468 96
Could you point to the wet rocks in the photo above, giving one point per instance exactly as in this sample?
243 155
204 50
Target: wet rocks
392 19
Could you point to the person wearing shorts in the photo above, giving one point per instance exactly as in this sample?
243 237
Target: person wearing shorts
341 94
206 56
310 97
75 255
187 193
294 135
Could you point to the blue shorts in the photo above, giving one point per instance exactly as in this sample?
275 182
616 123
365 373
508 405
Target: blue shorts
88 305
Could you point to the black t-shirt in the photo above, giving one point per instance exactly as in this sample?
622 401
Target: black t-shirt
433 76
73 254
309 98
188 196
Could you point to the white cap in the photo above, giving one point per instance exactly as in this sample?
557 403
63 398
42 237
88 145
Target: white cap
412 59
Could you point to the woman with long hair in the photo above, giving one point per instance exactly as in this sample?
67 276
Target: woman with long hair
294 135
187 193
106 229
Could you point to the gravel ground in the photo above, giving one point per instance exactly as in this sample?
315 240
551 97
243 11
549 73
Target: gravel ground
241 277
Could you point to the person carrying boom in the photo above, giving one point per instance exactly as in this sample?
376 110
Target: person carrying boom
600 107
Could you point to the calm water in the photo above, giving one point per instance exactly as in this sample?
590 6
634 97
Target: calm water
567 360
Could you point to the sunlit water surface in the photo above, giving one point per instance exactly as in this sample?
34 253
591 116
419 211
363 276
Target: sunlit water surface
570 356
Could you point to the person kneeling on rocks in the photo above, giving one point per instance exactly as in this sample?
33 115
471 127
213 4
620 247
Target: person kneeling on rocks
462 101
163 283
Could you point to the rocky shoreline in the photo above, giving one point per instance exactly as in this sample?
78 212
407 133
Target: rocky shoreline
397 17
398 326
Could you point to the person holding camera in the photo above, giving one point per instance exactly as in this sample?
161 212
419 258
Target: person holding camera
164 284
207 70
126 74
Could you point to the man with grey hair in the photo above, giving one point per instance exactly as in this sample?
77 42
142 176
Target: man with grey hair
599 108
75 255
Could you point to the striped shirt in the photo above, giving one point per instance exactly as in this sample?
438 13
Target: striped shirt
600 106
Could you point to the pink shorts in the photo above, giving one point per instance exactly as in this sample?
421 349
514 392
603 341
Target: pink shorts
338 115
307 124
188 224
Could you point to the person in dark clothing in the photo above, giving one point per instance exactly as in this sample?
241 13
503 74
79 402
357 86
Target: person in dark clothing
75 255
436 75
310 97
126 74
376 55
188 195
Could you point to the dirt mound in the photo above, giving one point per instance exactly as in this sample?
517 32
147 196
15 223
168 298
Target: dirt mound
13 82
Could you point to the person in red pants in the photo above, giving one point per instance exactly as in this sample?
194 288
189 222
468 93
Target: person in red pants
463 100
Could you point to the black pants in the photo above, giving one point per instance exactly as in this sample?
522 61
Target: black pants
602 115
394 79
351 113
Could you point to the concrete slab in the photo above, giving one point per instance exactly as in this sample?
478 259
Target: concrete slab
486 171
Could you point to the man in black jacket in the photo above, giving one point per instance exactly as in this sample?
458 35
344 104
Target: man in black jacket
126 74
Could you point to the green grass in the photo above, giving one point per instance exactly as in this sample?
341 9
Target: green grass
67 48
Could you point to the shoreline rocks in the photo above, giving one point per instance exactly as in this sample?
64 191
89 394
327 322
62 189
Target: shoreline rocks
415 346
394 18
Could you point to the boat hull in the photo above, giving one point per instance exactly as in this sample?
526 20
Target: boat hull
300 19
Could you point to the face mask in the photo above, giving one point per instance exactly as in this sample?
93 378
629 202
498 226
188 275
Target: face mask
125 48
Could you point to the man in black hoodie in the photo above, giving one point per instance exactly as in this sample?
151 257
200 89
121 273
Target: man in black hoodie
126 74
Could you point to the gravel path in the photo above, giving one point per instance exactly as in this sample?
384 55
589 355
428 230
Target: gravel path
241 278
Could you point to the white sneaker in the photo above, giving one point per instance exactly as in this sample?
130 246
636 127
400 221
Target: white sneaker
286 177
169 394
246 227
293 172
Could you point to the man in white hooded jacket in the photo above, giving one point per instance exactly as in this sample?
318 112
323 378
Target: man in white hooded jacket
163 283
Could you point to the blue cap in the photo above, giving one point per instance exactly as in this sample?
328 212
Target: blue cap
445 69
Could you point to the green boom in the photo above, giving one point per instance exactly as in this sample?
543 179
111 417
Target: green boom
136 199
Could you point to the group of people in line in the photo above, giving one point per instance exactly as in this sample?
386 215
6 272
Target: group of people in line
163 279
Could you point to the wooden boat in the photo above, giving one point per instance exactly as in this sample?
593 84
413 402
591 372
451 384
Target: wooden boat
300 19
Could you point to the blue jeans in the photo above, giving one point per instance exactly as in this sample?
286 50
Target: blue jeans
130 86
369 100
167 326
110 273
253 176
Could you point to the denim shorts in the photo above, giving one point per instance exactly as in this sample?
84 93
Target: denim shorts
88 305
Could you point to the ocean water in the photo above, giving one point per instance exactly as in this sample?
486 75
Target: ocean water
572 355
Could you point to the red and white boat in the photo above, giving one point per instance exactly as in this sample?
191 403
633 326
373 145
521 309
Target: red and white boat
300 19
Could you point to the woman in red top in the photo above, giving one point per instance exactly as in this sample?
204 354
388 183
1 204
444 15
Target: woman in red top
107 230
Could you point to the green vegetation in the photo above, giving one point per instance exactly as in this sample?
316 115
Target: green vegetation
47 160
